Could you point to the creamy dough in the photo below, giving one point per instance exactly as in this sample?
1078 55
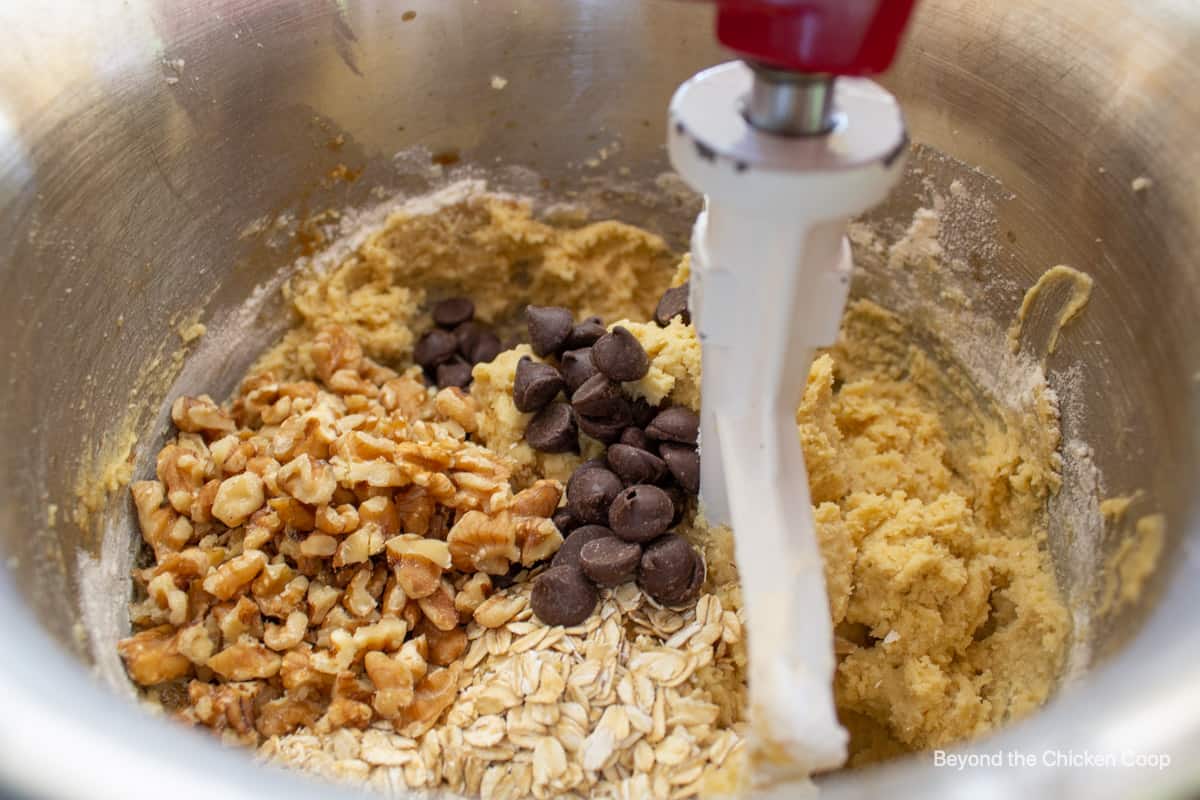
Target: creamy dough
929 496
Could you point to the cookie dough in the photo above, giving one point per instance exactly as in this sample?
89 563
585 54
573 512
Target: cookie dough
929 496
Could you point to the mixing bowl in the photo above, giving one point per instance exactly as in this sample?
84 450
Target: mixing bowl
164 161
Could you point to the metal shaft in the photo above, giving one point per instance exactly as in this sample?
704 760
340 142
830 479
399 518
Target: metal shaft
789 103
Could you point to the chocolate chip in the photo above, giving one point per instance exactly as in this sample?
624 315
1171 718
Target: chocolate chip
675 424
641 513
643 412
453 311
564 520
601 429
674 303
684 463
563 596
620 356
549 327
635 437
454 373
671 571
577 367
586 333
535 385
590 492
609 561
553 430
485 348
467 335
568 552
435 347
600 397
592 463
679 499
634 465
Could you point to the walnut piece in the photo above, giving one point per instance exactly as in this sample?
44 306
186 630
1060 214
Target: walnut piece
438 607
245 660
472 594
431 696
479 543
498 609
539 500
418 563
200 415
319 544
335 349
237 498
456 405
286 636
226 580
152 656
308 480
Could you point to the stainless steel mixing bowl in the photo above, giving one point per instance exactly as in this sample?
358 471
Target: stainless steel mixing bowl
139 139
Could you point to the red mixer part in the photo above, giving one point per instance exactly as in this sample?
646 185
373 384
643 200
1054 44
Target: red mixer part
837 37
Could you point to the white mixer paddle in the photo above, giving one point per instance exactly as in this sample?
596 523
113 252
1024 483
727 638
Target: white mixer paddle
770 274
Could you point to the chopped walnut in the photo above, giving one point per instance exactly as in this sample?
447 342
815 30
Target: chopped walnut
308 434
162 527
538 538
338 656
308 480
235 619
283 603
182 471
298 675
338 520
472 594
438 607
445 646
335 349
349 382
539 500
170 597
195 643
456 405
345 713
293 514
415 509
498 610
237 498
244 660
405 395
431 697
387 634
229 706
394 600
226 580
357 600
285 714
393 684
202 501
201 415
321 599
272 580
418 563
152 656
319 546
381 511
286 636
479 543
